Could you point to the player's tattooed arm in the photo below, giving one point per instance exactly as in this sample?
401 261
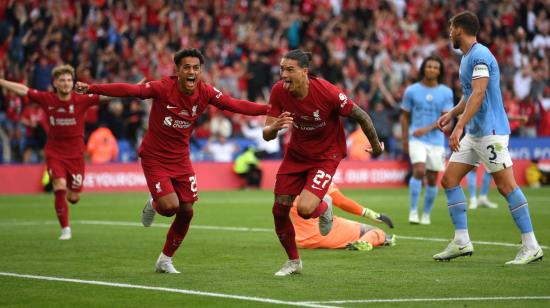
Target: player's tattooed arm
284 199
365 122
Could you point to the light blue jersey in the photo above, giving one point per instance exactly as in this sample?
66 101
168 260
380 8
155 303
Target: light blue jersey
491 117
426 105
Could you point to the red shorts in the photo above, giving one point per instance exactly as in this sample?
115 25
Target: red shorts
163 181
296 175
71 169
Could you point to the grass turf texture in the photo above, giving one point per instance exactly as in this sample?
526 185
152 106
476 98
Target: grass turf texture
242 262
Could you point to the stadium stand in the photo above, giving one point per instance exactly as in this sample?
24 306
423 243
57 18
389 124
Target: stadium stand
371 49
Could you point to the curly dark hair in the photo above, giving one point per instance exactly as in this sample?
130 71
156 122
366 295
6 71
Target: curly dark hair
190 52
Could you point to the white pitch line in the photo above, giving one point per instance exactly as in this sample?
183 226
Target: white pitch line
171 290
444 299
238 229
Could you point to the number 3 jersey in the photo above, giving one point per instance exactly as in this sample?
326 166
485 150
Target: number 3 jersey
66 122
317 132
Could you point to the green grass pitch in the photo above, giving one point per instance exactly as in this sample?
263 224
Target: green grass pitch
231 253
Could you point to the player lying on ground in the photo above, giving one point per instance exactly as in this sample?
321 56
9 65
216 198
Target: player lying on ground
345 233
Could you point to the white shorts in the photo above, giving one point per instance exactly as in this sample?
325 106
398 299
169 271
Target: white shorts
491 151
432 155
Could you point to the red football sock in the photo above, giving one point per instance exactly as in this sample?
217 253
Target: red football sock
285 230
177 232
167 213
320 209
61 208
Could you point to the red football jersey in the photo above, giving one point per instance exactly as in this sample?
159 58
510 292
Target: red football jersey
317 131
172 119
66 122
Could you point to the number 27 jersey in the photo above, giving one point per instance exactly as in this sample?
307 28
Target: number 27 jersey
317 131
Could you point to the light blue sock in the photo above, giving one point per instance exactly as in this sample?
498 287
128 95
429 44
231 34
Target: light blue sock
485 184
456 203
415 188
472 183
429 198
517 203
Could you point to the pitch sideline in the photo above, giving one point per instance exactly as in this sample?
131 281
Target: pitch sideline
162 289
319 304
442 299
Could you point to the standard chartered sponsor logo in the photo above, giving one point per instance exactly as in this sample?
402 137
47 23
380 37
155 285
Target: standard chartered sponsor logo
181 124
114 179
308 127
62 121
169 121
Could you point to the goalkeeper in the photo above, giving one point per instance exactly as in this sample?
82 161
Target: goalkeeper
345 233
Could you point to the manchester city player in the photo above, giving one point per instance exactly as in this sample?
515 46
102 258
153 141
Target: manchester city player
486 141
423 103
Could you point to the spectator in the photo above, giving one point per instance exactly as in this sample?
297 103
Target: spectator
253 130
102 146
35 124
357 143
522 82
220 125
124 41
220 149
247 166
512 111
381 119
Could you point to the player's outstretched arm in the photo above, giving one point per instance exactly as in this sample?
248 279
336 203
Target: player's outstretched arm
241 106
365 122
351 206
17 88
273 125
142 91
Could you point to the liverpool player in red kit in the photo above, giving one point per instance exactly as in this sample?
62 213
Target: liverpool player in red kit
65 146
177 103
312 107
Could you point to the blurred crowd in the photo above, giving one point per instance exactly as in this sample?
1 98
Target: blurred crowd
371 49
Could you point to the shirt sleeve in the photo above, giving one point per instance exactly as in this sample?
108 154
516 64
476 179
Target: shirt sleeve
92 100
407 100
344 104
480 66
148 90
40 97
229 103
480 70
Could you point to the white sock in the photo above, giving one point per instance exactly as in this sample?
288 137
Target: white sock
462 237
165 257
66 229
528 240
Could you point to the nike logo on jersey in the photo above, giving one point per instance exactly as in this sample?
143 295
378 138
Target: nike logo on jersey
315 187
170 107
